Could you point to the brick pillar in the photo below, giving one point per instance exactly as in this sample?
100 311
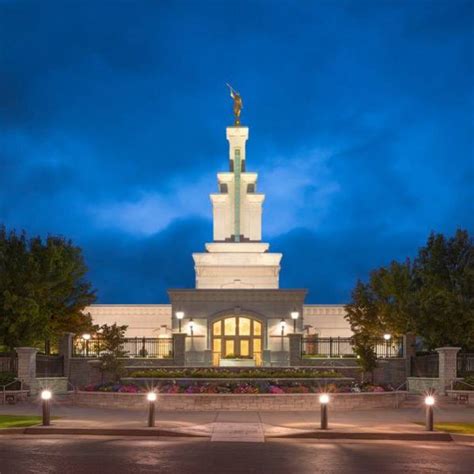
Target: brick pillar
447 366
65 350
179 348
26 364
295 341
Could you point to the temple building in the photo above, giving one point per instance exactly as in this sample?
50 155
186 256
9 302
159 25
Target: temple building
237 308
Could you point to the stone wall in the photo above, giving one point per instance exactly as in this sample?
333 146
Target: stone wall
238 402
424 384
57 385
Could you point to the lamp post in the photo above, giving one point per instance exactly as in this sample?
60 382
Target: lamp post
387 338
46 397
429 402
151 397
86 338
282 326
324 400
294 316
179 316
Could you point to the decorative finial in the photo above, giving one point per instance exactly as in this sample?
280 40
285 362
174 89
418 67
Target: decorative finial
238 104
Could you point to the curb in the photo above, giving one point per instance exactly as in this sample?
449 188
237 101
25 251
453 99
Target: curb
46 430
435 436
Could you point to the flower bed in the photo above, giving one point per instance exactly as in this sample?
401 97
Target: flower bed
233 373
247 387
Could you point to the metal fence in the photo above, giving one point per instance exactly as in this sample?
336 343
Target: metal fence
141 347
49 366
8 363
325 347
465 364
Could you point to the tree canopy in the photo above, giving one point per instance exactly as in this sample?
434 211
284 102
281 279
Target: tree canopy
431 296
43 289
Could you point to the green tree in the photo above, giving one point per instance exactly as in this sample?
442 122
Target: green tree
43 289
364 320
432 297
112 355
443 276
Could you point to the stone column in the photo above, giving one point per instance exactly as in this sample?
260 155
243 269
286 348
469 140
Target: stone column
295 341
447 366
26 364
179 348
65 350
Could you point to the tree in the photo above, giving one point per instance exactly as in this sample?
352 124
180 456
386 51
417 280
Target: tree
432 297
43 289
364 320
112 355
443 277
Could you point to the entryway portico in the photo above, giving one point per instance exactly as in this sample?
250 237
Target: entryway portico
249 325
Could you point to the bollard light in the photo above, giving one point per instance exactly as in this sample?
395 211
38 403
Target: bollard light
324 400
46 397
151 397
429 402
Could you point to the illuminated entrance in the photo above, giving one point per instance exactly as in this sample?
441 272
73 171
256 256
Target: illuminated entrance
237 337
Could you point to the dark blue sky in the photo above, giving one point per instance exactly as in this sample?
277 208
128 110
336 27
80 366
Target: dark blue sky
113 116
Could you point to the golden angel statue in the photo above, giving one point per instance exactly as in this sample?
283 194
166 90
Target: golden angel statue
238 104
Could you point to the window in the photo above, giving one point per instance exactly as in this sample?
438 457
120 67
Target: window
223 189
251 188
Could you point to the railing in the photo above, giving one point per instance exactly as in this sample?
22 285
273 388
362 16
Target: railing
8 363
49 366
465 363
327 347
142 347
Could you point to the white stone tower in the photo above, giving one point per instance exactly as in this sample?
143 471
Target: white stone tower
237 258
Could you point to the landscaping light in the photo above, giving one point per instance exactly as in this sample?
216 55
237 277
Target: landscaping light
429 402
46 397
179 317
294 316
324 400
387 337
151 397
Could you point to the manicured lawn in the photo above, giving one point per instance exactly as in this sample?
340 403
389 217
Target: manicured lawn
460 428
18 421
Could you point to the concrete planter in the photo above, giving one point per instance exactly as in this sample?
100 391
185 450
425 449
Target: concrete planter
239 402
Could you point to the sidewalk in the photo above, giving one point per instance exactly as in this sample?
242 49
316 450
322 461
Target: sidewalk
378 423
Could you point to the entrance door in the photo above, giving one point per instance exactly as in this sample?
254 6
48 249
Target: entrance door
237 336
